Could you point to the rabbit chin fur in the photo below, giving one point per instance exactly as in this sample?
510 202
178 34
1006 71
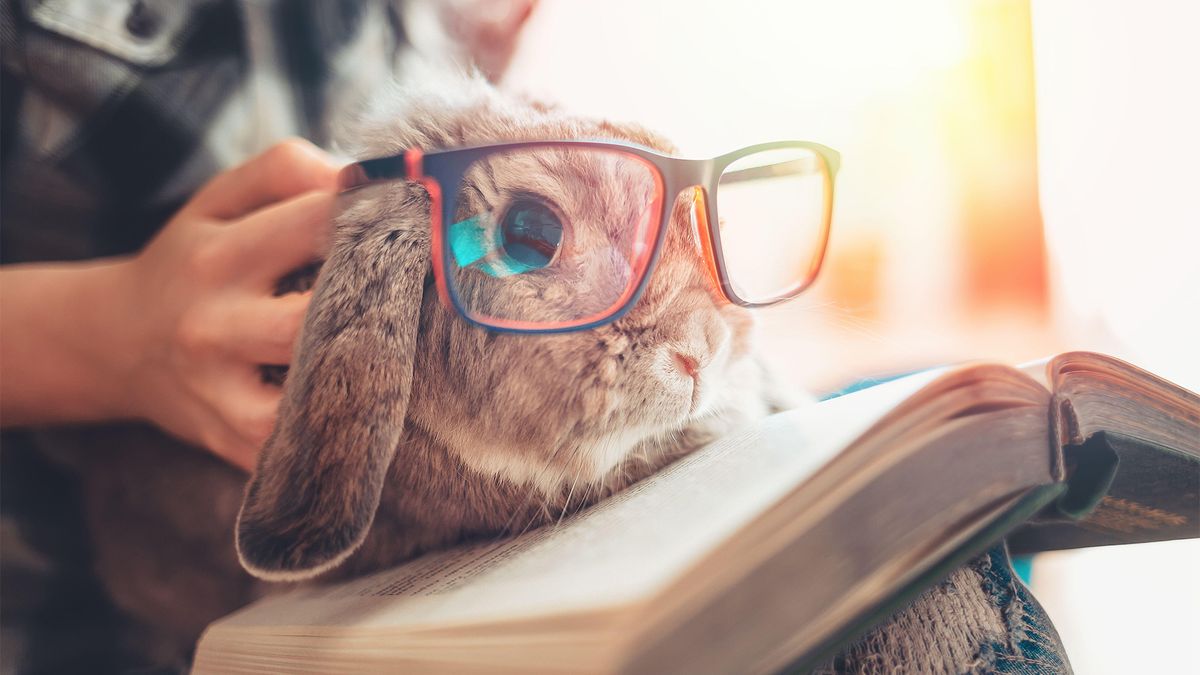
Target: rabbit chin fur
403 428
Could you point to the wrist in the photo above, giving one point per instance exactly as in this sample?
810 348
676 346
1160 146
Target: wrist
111 343
66 342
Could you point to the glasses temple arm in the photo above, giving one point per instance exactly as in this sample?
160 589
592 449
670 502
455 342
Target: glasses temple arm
788 168
408 165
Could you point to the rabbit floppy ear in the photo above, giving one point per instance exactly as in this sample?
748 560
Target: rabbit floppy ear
314 494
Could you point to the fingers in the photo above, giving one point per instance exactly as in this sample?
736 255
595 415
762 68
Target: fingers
284 170
279 238
282 200
253 418
239 453
242 421
243 440
263 330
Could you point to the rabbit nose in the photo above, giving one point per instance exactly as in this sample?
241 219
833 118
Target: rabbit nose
692 338
687 364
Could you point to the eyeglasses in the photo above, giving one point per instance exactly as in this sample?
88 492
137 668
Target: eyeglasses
558 236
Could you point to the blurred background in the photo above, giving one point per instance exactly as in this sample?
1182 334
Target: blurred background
939 251
1019 179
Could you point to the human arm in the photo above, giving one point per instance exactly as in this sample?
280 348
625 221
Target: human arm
174 334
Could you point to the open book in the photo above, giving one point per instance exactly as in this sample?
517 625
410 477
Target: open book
770 547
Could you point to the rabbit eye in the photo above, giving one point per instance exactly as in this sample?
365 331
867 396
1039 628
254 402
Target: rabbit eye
526 237
529 234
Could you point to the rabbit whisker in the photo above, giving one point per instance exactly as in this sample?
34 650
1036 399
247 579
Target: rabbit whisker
567 504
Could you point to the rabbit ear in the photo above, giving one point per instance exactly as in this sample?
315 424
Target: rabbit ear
314 494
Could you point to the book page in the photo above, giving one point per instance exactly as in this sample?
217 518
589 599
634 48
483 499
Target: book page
1109 394
610 554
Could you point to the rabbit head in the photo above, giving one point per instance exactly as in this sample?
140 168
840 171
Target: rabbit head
383 368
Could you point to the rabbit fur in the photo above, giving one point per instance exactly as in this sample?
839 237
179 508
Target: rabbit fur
405 429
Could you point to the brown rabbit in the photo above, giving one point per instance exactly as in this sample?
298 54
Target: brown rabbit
404 428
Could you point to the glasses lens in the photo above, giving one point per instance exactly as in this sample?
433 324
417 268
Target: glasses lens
773 215
551 237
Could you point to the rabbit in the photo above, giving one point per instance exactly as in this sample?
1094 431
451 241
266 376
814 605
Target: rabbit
403 428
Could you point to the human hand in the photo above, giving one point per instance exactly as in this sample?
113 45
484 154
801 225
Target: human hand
198 303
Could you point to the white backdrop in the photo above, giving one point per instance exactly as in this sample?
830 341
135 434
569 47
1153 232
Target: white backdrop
1118 114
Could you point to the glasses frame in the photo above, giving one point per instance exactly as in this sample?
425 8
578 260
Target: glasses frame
436 169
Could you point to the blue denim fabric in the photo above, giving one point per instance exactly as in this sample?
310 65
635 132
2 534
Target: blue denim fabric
1033 645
